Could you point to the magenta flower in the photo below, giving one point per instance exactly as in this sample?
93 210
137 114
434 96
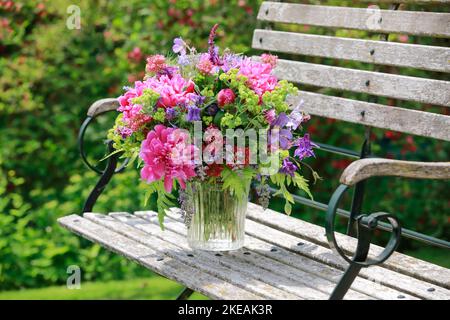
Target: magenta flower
270 116
225 97
167 155
259 75
173 90
305 147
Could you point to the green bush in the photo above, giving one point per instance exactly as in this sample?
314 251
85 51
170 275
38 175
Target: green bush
49 75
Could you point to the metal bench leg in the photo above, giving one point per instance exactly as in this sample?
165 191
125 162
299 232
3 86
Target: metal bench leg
185 294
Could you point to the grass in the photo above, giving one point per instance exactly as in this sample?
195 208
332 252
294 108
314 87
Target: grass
154 288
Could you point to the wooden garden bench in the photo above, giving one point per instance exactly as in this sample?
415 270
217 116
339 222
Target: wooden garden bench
285 257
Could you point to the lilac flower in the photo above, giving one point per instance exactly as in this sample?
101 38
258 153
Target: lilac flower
168 71
288 167
179 46
193 113
231 61
171 113
305 147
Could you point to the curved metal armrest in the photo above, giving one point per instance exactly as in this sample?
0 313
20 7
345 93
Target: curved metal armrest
365 168
97 108
102 106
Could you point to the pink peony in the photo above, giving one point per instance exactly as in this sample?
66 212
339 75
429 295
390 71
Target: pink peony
259 75
225 97
167 154
174 90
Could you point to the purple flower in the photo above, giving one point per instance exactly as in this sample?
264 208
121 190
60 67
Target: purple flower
168 71
179 46
183 60
213 50
285 138
171 113
288 167
124 132
297 117
212 109
281 121
305 147
198 100
193 113
231 61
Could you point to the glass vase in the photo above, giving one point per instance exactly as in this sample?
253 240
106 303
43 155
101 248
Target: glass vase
218 217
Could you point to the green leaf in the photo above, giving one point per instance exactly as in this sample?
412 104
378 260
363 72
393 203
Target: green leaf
288 208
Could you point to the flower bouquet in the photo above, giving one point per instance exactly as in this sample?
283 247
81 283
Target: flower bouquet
208 124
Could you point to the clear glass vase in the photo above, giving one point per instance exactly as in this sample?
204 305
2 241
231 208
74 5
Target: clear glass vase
218 218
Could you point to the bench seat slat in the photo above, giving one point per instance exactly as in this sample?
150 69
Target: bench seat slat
301 262
408 22
381 84
384 53
148 257
298 282
415 122
398 262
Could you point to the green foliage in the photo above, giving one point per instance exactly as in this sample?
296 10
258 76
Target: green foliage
237 181
164 199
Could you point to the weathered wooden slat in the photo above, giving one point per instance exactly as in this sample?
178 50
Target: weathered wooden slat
200 260
155 260
366 168
420 123
321 253
395 280
295 279
322 270
304 285
102 106
377 52
374 20
376 83
398 262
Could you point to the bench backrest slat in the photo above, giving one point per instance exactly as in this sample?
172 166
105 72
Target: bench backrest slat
383 84
408 22
370 51
376 115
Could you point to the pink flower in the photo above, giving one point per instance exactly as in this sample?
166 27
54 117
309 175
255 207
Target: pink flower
205 65
174 90
167 154
135 54
270 59
259 75
155 63
270 115
225 97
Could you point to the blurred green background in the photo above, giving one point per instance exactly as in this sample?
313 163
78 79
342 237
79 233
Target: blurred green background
49 75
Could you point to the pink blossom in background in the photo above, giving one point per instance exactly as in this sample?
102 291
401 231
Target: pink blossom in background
135 54
167 154
260 78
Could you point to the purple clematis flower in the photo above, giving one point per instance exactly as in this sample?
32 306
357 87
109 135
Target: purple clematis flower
305 147
183 60
193 113
288 167
297 117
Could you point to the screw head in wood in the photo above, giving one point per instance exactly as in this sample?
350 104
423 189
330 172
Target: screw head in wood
372 52
431 289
